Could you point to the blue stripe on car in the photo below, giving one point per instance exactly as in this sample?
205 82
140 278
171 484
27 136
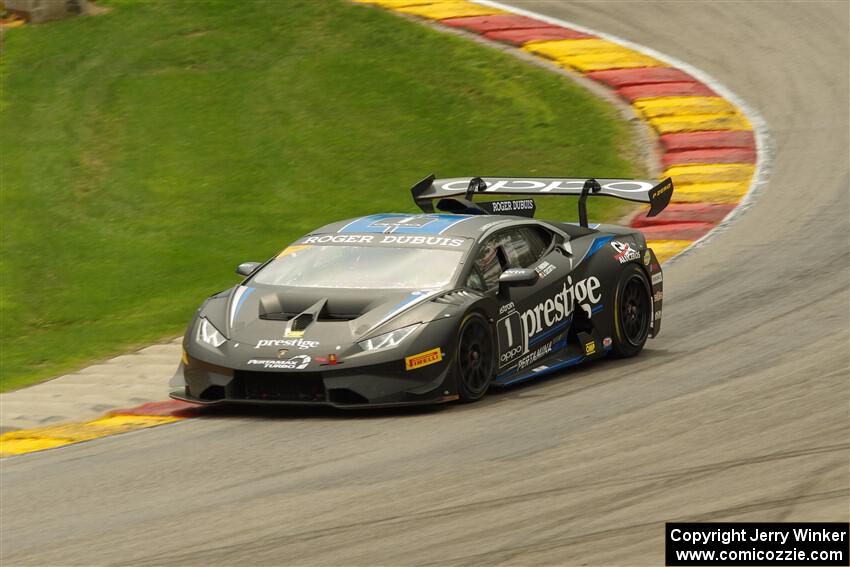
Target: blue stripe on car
555 348
401 306
240 296
540 336
562 364
597 244
505 374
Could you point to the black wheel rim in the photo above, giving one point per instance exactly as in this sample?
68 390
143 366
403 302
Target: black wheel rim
634 311
475 357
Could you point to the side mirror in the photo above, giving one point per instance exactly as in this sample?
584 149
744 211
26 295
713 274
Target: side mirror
517 277
247 268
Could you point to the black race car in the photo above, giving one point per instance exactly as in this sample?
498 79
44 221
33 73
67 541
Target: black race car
396 309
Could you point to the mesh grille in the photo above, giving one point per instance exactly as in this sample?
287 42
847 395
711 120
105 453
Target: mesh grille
280 386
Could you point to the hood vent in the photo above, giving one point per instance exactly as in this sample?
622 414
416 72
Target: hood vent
303 320
300 322
323 317
277 316
271 310
346 306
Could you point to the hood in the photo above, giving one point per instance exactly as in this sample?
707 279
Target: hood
315 319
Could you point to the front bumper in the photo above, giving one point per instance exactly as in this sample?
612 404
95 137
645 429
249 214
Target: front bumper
382 385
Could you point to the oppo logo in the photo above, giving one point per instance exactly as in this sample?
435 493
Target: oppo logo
545 186
510 354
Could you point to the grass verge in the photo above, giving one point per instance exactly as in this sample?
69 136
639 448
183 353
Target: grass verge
147 151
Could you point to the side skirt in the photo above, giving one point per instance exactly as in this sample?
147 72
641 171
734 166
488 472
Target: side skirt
556 362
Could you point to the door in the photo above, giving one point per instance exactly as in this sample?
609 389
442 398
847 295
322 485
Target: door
531 320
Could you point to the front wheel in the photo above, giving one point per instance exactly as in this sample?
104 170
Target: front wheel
475 362
632 312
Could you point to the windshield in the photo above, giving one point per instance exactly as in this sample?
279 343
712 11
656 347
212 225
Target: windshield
361 267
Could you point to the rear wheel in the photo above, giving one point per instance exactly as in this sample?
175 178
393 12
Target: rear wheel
475 361
632 312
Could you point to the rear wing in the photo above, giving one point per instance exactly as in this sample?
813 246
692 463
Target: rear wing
448 192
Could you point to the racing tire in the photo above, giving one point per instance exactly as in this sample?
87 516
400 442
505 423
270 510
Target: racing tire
632 312
475 361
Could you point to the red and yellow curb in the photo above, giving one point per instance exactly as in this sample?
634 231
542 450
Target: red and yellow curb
116 421
706 142
12 21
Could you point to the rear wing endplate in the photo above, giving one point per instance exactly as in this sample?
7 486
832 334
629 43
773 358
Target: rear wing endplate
458 192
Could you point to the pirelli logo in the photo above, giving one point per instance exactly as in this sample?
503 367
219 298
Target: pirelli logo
432 356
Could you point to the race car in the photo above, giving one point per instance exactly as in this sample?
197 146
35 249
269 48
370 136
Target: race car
400 309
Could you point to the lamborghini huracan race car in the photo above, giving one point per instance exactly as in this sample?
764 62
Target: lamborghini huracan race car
397 309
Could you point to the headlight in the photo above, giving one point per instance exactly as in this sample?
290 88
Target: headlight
208 334
388 340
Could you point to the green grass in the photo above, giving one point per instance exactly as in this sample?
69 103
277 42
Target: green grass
147 151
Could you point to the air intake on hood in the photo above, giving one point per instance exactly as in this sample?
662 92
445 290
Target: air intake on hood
277 316
323 317
303 320
289 304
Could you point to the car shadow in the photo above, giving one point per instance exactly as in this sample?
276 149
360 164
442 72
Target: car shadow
579 377
284 412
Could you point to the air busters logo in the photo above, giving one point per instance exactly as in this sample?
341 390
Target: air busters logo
625 253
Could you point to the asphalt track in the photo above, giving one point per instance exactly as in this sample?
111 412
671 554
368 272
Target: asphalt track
739 411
